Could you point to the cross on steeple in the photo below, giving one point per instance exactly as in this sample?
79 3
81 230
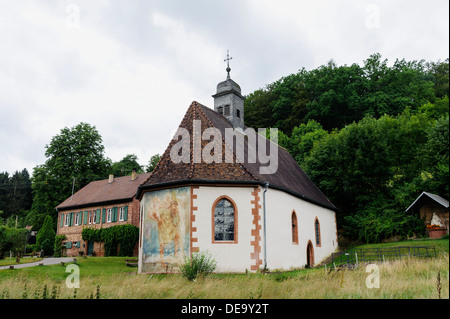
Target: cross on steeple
228 63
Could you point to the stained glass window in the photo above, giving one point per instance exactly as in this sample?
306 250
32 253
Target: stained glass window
224 221
317 227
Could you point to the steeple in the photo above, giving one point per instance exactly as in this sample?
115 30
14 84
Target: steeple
228 100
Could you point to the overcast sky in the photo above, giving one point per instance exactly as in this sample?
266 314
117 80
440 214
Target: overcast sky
131 68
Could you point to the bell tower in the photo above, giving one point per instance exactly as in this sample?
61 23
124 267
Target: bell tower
228 100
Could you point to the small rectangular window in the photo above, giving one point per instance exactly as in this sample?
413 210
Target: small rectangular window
67 220
226 111
121 213
238 113
77 219
109 214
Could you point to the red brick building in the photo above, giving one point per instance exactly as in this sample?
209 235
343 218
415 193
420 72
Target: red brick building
99 204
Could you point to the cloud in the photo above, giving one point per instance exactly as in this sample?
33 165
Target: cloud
132 68
65 76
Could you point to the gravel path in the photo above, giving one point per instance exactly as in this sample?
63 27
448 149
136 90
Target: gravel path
45 261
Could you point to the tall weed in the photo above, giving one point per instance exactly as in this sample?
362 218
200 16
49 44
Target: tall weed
200 264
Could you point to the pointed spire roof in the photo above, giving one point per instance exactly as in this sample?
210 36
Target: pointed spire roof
289 177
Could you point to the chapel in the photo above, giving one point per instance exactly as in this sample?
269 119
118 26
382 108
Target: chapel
222 188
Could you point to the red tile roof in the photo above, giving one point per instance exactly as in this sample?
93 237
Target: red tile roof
100 192
289 176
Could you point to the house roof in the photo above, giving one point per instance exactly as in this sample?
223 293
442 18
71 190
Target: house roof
436 198
289 176
102 192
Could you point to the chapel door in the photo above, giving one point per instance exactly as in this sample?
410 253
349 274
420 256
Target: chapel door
310 255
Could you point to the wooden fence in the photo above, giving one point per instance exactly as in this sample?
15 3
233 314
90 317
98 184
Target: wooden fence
368 255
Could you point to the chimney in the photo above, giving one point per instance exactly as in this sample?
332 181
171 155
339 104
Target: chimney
133 174
111 178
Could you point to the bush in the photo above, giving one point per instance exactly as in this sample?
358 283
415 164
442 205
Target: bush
13 239
46 232
200 264
30 248
47 247
57 248
377 224
118 240
5 245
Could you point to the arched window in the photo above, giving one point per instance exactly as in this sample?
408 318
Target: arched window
317 230
224 220
294 228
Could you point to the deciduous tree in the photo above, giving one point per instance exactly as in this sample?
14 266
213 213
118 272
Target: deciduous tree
75 157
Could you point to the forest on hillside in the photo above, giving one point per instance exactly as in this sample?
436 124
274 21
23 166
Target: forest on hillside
371 137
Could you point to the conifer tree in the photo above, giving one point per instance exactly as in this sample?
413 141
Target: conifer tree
46 232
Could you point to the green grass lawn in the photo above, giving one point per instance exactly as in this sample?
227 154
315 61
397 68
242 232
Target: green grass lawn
377 252
12 261
441 245
111 278
95 267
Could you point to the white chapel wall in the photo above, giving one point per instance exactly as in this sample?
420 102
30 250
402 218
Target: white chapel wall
281 252
230 257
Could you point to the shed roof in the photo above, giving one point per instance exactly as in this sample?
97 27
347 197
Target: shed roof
436 198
